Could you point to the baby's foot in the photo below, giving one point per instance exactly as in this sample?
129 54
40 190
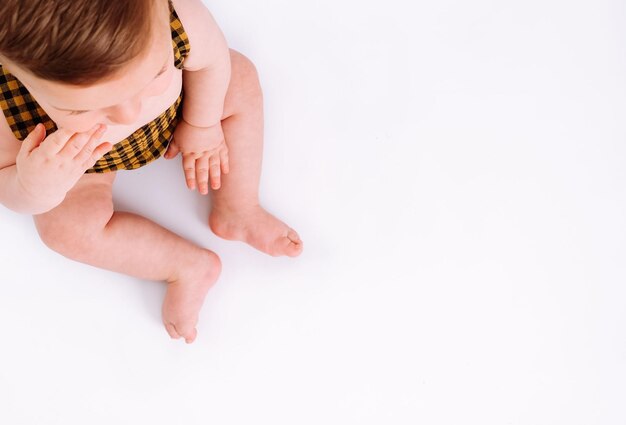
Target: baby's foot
258 228
185 296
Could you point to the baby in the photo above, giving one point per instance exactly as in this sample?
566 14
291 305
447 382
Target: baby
89 87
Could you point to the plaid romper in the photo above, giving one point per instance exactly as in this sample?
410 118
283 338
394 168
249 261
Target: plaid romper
145 145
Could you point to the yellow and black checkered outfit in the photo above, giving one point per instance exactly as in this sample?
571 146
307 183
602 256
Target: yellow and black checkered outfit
146 144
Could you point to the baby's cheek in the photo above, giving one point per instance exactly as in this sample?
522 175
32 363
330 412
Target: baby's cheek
158 86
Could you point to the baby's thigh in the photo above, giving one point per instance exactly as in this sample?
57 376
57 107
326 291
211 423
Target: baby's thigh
81 217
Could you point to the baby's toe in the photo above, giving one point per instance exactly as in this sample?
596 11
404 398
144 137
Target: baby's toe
294 249
187 330
293 236
171 330
287 246
191 337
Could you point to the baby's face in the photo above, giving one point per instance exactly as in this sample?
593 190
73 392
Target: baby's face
117 101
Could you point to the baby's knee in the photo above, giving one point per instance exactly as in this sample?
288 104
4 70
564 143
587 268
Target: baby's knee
244 73
69 237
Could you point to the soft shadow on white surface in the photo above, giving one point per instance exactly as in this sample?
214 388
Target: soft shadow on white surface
456 171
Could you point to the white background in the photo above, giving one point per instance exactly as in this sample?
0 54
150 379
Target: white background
456 170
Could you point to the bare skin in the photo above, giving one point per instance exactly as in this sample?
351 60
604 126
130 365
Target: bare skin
133 245
86 228
236 213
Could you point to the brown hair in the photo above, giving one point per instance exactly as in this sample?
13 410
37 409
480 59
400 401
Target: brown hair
78 42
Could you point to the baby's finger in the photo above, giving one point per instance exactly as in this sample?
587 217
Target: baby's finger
189 167
58 142
97 154
214 171
88 148
33 139
79 141
172 150
202 174
224 161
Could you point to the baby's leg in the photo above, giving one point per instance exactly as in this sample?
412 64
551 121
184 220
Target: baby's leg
236 213
85 228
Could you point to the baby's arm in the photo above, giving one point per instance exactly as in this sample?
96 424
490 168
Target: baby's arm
206 72
206 77
36 174
12 195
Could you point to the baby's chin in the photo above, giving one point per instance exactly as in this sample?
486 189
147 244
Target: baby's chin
78 127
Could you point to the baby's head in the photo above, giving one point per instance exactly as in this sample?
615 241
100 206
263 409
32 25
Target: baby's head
88 61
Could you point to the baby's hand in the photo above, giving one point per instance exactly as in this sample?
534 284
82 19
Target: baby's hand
48 167
205 154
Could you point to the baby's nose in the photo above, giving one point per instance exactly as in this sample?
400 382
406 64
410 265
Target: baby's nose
125 113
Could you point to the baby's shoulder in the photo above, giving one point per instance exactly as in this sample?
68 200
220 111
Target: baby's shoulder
205 37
